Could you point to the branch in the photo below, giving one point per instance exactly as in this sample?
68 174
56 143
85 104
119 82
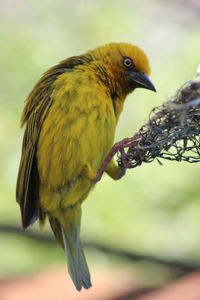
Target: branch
181 266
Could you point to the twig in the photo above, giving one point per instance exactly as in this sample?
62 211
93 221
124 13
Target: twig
181 266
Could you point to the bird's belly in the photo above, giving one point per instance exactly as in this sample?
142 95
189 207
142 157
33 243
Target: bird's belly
65 147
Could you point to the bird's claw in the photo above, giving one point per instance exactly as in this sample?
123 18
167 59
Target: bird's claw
125 162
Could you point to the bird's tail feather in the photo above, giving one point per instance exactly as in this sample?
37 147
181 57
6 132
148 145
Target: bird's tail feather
69 239
76 262
55 226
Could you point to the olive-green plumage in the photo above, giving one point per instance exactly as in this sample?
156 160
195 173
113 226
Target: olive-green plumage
70 117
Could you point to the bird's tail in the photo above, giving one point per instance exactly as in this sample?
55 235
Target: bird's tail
76 262
69 238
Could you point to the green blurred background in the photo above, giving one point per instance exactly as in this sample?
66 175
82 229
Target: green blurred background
153 210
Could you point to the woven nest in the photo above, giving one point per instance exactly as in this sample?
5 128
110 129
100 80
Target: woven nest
172 131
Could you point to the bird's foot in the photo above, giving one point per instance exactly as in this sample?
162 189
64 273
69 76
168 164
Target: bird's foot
124 162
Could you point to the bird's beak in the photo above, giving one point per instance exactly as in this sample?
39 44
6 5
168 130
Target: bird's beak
140 79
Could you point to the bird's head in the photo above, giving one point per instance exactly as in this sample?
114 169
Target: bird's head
127 64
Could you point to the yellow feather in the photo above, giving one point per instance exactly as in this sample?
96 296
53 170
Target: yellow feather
72 113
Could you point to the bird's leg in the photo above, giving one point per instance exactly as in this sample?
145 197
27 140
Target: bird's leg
125 160
108 159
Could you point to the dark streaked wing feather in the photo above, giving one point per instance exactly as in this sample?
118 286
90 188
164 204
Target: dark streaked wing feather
35 110
28 179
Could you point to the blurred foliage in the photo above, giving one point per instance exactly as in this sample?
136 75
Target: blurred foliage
153 209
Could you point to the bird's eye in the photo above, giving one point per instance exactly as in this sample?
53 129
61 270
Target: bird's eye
128 62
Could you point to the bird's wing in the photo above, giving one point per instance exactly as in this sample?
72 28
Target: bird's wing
28 179
36 109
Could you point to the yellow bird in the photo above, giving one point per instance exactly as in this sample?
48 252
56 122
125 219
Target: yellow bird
70 117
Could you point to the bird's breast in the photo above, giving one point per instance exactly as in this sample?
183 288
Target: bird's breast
78 130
